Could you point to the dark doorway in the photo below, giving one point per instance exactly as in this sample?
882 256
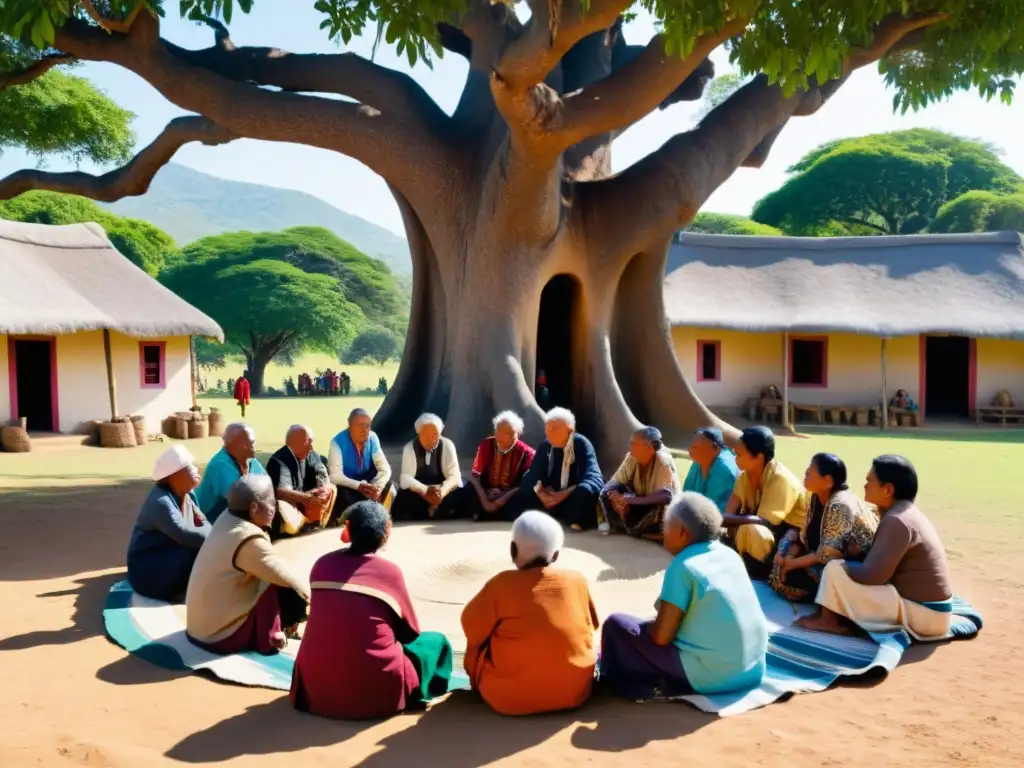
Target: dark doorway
947 376
556 329
32 362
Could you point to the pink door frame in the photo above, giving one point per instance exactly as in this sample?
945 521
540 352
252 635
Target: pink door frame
12 376
972 373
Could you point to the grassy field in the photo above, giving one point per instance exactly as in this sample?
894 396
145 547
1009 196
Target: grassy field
363 376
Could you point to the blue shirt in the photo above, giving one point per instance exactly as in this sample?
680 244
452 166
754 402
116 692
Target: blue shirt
720 481
220 474
723 637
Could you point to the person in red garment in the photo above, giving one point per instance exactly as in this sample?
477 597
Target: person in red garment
242 391
362 655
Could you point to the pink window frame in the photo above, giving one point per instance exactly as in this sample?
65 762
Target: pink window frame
824 361
12 376
700 359
163 364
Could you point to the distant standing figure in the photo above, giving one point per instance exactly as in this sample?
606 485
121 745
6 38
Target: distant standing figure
543 395
242 392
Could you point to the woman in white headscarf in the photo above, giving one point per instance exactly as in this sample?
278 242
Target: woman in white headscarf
169 531
564 478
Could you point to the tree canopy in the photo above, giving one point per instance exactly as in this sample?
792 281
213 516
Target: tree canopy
729 224
376 344
981 211
145 246
886 183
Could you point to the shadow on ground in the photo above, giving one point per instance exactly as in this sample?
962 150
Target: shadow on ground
87 621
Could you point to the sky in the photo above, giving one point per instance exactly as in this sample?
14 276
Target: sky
862 106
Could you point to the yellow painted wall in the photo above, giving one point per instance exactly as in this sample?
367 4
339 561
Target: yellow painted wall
1000 366
82 380
749 362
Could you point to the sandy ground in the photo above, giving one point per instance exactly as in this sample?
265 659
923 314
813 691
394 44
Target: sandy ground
70 697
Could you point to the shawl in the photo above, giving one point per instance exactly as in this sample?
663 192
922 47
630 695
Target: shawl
351 465
568 457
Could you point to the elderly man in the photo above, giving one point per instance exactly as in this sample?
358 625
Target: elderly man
235 459
501 463
713 472
357 465
430 472
564 478
634 500
305 495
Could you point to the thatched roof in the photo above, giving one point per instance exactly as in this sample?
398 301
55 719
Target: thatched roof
882 286
65 279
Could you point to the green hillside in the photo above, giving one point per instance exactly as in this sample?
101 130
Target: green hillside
190 205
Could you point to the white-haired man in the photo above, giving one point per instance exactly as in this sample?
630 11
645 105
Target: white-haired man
501 463
564 478
430 474
304 492
236 459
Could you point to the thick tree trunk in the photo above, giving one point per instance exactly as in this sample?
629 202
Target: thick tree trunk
257 365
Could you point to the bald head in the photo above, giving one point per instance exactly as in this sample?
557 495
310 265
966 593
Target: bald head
240 442
299 440
251 497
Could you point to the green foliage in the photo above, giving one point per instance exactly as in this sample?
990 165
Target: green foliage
887 183
376 344
145 246
730 224
365 282
211 354
981 211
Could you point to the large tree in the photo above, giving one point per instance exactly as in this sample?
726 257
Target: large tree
883 184
515 187
981 211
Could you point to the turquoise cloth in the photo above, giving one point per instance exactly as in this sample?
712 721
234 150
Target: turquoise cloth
350 465
720 480
220 474
431 654
723 637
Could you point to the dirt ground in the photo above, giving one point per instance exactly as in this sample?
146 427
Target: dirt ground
70 697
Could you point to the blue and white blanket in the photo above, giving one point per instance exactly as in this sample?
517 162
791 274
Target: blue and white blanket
798 661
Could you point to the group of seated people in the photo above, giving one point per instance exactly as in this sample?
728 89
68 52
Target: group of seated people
875 563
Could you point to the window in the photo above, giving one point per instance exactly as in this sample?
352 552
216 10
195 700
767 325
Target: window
152 364
808 362
709 360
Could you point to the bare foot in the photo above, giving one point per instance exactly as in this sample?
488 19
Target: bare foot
278 641
824 621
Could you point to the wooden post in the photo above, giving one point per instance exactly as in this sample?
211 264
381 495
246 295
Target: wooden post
885 389
193 368
785 380
111 383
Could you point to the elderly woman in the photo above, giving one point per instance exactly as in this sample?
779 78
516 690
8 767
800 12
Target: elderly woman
634 500
501 463
904 582
430 472
713 472
530 631
362 653
709 636
767 501
236 459
357 465
839 526
169 530
305 495
564 478
242 596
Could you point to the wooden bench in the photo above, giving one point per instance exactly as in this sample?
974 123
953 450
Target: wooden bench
1002 415
852 415
898 415
814 411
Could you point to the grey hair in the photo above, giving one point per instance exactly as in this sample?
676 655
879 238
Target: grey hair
561 414
536 535
429 418
231 431
248 490
298 428
697 514
512 419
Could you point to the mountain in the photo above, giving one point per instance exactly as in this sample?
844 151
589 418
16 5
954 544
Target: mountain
188 205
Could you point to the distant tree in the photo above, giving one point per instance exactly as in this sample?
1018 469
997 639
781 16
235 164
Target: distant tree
265 306
981 211
730 224
211 354
886 183
145 246
376 344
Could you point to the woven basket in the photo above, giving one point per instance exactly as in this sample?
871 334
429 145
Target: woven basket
117 434
15 440
1003 399
139 423
216 423
197 429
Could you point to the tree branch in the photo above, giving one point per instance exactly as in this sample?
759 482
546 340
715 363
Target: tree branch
129 180
33 70
120 26
633 91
